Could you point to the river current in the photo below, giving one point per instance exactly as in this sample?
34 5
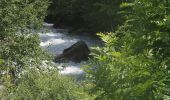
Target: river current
56 40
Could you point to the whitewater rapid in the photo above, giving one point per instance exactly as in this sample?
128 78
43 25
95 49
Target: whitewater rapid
56 40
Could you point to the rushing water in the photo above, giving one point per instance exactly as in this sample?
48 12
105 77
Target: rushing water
56 40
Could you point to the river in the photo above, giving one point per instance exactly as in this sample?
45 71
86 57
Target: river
56 40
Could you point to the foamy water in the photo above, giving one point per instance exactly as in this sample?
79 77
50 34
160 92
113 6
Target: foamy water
56 40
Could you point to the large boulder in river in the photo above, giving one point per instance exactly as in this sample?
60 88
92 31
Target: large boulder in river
77 52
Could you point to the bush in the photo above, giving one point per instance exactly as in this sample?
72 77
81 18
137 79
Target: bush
17 15
19 44
134 63
37 85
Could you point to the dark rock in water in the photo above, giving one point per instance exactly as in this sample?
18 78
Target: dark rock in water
77 53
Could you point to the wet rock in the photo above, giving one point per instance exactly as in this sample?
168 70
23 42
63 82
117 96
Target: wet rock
76 53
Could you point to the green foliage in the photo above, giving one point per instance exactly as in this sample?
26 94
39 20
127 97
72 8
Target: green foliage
20 47
1 67
152 26
121 77
134 64
19 44
20 14
88 15
44 85
1 61
102 15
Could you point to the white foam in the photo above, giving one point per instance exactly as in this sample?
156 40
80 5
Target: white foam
47 24
72 70
55 42
52 41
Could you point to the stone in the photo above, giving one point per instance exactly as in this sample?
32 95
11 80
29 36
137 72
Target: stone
77 52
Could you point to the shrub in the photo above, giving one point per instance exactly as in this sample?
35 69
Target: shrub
39 85
17 15
19 44
134 63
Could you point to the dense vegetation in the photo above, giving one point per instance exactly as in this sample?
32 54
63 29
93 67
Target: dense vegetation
18 44
40 85
134 63
86 15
